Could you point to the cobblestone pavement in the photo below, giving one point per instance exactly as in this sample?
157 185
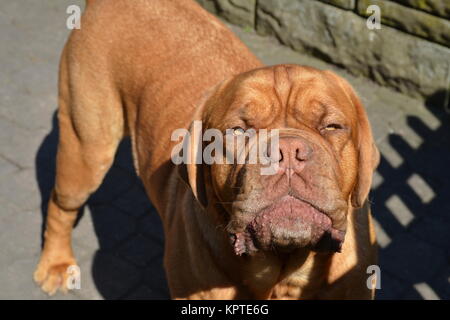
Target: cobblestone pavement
118 241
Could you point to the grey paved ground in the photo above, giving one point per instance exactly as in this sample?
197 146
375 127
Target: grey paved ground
119 241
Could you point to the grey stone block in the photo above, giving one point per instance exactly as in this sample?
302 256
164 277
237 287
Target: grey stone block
390 57
239 12
409 20
209 5
437 7
345 4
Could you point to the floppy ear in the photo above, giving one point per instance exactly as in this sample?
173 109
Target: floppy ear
191 172
368 154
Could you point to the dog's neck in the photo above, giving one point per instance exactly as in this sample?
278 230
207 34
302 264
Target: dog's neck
264 274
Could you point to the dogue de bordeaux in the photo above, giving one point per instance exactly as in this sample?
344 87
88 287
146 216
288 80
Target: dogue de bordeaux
145 68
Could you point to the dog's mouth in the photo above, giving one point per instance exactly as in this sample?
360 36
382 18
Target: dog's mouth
287 225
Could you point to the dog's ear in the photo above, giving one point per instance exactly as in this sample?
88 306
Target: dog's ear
191 170
368 154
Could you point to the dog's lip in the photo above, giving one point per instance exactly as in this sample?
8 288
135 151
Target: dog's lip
291 196
243 241
251 215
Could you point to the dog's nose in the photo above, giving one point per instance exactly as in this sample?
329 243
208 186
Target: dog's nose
294 152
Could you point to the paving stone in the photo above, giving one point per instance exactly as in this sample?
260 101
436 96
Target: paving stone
16 280
134 202
19 145
20 250
421 291
400 210
86 261
21 223
154 277
390 154
377 179
441 283
113 277
116 182
426 291
433 229
45 160
391 288
124 157
421 188
21 189
150 225
112 227
84 234
145 293
35 37
383 239
140 250
411 259
7 167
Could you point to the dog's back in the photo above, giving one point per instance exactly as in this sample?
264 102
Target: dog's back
143 51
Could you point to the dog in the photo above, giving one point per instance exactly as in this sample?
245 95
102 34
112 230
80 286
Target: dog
146 68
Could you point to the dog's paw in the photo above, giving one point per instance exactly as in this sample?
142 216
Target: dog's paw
52 275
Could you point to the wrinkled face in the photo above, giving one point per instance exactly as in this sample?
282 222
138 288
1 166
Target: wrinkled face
304 203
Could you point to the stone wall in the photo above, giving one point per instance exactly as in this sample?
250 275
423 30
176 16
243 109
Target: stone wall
410 52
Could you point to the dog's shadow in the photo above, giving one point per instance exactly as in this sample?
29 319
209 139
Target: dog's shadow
128 261
411 205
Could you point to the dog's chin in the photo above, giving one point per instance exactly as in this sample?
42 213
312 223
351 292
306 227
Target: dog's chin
286 226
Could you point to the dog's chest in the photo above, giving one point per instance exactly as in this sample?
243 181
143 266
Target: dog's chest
304 282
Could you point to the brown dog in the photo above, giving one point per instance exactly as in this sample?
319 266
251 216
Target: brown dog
145 68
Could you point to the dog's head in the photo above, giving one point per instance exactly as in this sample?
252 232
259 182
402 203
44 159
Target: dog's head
322 164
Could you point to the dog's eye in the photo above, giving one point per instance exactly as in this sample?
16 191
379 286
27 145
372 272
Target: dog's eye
332 127
237 131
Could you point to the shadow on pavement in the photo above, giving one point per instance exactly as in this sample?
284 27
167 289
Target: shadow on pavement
128 263
412 206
